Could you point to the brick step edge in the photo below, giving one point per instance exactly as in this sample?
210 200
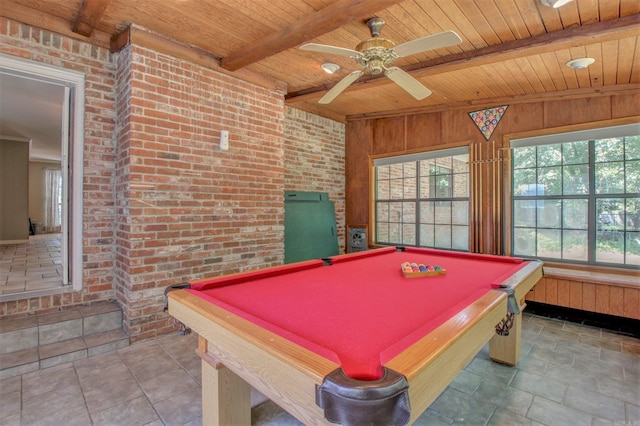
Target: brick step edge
44 356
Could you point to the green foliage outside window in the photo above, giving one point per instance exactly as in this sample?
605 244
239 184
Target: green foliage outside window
578 201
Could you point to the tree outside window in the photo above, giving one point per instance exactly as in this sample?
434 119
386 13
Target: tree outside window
578 201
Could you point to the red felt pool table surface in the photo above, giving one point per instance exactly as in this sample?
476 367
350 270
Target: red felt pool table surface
359 311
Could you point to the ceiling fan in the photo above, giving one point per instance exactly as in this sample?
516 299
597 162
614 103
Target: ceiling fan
376 53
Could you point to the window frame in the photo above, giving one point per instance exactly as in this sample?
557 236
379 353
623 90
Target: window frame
450 150
590 132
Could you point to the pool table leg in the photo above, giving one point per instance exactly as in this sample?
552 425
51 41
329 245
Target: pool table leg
226 398
506 349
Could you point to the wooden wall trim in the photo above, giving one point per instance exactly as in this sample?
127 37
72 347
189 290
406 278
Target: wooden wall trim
507 137
419 150
625 278
620 89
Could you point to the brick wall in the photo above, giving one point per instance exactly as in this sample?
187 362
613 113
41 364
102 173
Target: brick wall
162 203
187 209
314 159
45 47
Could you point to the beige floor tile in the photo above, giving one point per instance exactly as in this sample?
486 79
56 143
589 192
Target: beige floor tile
540 385
49 380
137 411
628 391
112 391
31 266
596 403
150 364
269 414
506 417
10 385
462 407
182 408
548 412
499 395
10 404
97 366
60 406
560 380
164 385
572 376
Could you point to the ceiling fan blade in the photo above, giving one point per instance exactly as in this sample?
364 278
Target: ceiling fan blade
339 88
332 50
435 41
408 83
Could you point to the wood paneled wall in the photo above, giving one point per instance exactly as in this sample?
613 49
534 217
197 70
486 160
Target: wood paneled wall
367 138
606 298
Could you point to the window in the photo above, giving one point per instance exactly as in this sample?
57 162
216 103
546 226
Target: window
423 199
53 201
576 197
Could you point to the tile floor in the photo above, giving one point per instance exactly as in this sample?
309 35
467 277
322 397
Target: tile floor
569 374
35 265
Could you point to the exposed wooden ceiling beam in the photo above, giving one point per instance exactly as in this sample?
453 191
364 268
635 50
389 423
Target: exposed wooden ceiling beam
89 16
321 22
587 34
30 16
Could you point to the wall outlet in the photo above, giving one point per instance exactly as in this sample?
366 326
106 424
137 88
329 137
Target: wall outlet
224 140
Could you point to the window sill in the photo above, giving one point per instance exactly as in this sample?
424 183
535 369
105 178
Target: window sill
593 274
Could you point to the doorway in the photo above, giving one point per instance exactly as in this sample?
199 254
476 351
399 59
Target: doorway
44 106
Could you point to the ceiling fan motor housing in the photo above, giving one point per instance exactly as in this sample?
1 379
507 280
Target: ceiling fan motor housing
375 54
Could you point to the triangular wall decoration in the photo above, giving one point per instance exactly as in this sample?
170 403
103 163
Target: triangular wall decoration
487 119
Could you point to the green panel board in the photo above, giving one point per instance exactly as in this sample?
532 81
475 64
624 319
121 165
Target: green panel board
309 226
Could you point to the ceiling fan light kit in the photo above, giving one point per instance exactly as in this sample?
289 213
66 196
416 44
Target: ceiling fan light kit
580 63
555 3
376 53
330 67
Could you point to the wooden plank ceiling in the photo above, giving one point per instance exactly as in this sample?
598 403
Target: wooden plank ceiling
511 50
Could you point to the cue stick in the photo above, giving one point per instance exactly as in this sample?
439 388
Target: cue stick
476 196
479 195
496 219
472 185
472 231
498 204
502 196
499 195
474 214
480 212
493 195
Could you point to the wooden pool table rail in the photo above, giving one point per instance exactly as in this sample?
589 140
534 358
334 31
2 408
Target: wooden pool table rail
281 370
435 360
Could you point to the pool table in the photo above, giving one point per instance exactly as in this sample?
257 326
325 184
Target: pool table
351 339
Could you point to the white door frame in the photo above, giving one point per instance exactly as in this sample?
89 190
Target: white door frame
72 154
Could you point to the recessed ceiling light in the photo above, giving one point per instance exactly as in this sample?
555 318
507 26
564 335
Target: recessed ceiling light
555 3
330 68
580 63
